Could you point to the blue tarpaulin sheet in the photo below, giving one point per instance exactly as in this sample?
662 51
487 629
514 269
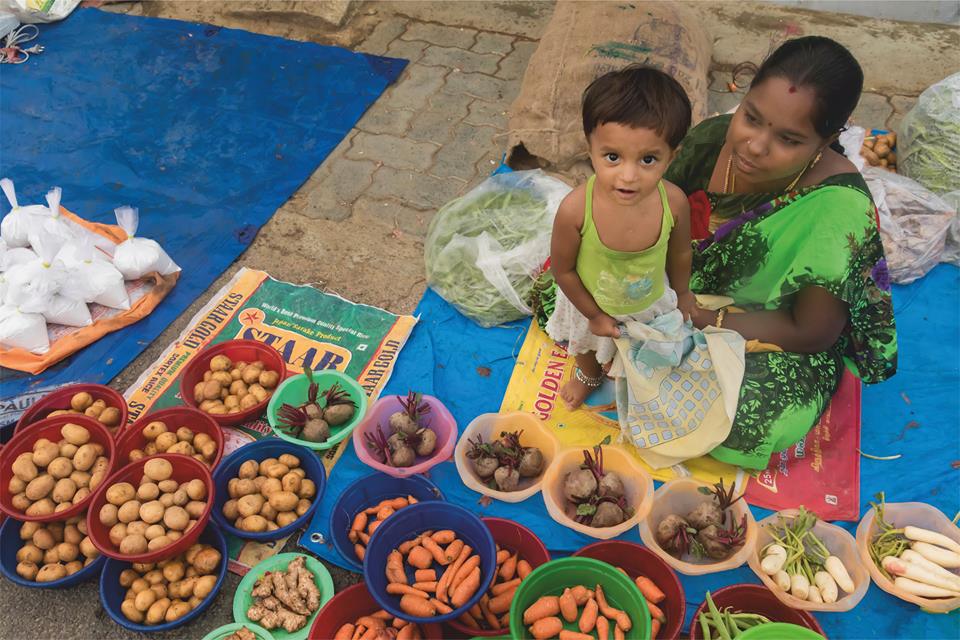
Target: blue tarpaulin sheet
207 130
446 349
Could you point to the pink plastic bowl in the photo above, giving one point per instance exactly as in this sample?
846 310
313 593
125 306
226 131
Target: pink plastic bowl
439 419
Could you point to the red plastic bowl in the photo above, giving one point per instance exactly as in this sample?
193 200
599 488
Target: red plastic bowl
236 350
350 604
514 537
185 468
60 399
49 428
638 560
754 598
174 418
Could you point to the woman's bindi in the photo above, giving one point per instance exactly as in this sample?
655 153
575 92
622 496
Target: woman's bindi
792 89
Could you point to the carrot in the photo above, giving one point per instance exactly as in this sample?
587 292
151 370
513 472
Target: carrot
395 572
588 619
546 627
412 500
399 503
425 575
359 550
445 580
385 512
573 635
581 594
398 589
469 620
435 551
371 633
622 619
621 570
445 536
359 631
363 537
452 551
405 547
426 586
497 589
523 569
475 611
505 620
359 522
568 606
408 632
373 526
542 608
344 633
509 568
501 602
656 612
502 556
467 587
419 558
352 536
417 606
491 619
399 623
372 510
382 615
619 634
472 563
441 607
650 590
370 621
654 628
603 628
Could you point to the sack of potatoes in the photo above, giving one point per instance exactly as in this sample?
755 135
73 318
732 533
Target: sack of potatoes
54 550
231 387
880 151
268 495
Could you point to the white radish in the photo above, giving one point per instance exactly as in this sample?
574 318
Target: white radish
814 595
925 535
782 580
838 572
773 560
923 590
937 555
909 555
799 586
916 572
827 586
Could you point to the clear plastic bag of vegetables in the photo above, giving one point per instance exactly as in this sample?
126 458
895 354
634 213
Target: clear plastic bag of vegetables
929 142
484 249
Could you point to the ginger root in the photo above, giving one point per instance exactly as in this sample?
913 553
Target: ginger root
285 598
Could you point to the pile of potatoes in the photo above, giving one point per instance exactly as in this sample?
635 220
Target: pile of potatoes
160 439
232 387
878 151
57 475
268 495
168 590
84 403
54 550
154 514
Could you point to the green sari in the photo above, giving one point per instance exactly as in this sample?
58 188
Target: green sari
767 248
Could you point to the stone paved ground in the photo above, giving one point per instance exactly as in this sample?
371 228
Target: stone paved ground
356 226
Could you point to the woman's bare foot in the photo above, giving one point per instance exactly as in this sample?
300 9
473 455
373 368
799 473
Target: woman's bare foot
574 393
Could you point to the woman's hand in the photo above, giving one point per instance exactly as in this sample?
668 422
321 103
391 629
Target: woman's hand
604 326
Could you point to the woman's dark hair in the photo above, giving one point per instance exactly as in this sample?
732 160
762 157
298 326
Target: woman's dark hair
825 66
639 97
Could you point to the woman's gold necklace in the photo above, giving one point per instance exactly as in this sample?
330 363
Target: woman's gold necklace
730 178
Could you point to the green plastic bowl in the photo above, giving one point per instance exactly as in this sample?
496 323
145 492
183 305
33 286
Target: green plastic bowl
222 632
242 600
293 391
779 631
552 578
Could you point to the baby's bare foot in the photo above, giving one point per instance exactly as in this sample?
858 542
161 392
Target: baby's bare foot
574 393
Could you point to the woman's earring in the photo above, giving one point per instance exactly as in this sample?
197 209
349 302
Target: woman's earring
816 159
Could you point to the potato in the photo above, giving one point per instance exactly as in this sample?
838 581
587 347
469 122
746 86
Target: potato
95 480
299 472
129 511
27 570
268 512
80 478
269 379
307 488
73 567
211 389
303 505
158 469
67 552
24 468
161 590
120 492
272 526
21 502
80 401
168 486
60 467
157 611
245 487
94 411
248 401
196 489
40 487
159 543
71 534
255 523
51 572
16 485
277 471
67 450
206 560
248 470
174 571
283 500
285 518
148 491
204 586
176 518
166 440
133 544
220 363
152 512
145 599
224 378
250 505
88 549
154 531
137 527
238 388
117 533
64 490
258 392
41 508
270 486
44 452
153 430
251 374
44 540
29 553
166 499
75 434
290 482
176 610
127 576
185 434
110 417
180 497
50 556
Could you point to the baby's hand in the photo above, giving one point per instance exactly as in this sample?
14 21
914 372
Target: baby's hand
687 303
604 326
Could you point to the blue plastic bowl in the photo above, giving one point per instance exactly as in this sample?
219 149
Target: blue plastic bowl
408 523
366 492
10 544
111 593
268 447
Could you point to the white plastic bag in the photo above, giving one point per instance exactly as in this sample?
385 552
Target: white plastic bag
16 226
23 330
35 287
136 257
483 250
91 277
11 257
29 11
50 225
928 143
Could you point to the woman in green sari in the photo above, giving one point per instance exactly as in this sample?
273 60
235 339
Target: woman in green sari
785 226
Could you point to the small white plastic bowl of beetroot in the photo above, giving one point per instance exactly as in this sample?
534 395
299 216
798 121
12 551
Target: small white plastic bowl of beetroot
488 427
376 424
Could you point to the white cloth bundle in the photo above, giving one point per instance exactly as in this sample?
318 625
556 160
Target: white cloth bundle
35 287
16 225
92 277
23 330
52 226
136 257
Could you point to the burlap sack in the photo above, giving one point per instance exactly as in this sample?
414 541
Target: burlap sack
585 40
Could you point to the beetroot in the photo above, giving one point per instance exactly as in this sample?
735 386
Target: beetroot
579 485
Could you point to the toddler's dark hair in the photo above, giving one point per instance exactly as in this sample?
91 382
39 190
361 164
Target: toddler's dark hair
641 97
